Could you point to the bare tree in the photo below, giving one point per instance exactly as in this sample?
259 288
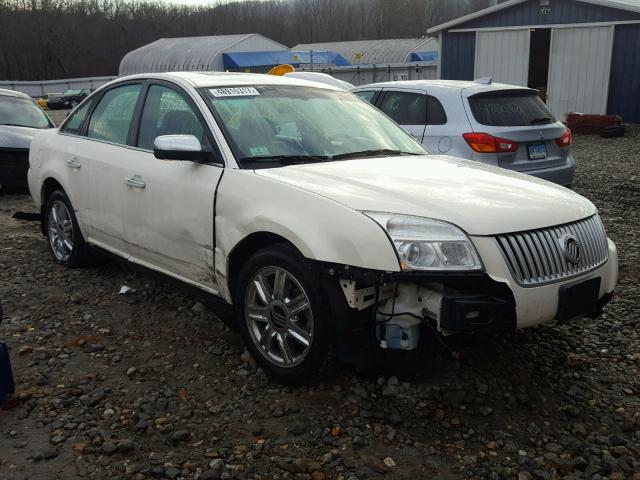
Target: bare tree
45 39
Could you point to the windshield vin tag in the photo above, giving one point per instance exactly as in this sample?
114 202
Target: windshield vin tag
234 92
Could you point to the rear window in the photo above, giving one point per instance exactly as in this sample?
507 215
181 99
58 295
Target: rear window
510 109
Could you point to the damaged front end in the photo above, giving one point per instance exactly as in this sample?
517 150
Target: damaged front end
395 307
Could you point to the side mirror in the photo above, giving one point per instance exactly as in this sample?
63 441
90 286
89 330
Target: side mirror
179 147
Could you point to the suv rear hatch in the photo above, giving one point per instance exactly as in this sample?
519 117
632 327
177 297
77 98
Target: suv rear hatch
526 134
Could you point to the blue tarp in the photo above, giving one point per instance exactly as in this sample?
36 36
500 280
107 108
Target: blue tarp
265 59
424 56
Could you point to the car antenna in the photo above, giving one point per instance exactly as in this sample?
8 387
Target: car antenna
484 80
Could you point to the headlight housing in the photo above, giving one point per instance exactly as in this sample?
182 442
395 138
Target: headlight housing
427 244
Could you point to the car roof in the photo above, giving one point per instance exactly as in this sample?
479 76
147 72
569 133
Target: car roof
445 86
227 79
13 93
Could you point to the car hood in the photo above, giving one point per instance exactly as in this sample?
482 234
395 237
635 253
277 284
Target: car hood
481 199
16 137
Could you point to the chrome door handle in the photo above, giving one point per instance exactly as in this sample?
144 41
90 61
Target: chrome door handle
73 163
135 182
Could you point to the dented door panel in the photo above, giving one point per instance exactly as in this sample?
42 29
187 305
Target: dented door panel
169 220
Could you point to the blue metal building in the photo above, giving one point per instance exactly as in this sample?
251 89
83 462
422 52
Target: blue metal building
263 61
583 54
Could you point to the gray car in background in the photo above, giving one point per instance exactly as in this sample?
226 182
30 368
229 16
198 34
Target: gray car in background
497 124
20 119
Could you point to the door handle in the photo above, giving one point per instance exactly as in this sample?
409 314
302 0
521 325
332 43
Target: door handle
73 163
135 182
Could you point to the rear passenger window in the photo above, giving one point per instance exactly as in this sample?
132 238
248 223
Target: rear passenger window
76 120
435 112
112 117
166 112
405 108
368 96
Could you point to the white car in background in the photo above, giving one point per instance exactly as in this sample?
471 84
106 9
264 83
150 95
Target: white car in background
493 123
20 119
323 222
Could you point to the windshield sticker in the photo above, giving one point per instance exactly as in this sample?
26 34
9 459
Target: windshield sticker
234 92
259 151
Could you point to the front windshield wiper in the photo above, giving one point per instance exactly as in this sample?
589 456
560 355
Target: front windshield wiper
285 159
538 120
371 153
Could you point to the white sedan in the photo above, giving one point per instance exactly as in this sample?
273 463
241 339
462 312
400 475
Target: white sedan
328 227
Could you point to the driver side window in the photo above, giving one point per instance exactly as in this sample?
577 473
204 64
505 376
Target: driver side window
166 112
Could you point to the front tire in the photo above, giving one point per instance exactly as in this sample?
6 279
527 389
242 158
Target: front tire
66 244
282 315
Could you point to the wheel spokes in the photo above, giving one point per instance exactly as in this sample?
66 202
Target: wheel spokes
287 357
298 305
279 281
299 334
263 289
257 313
266 341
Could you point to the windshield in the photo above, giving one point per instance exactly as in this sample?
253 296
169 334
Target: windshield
22 112
72 91
510 109
267 124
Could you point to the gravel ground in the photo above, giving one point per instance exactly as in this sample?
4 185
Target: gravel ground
152 385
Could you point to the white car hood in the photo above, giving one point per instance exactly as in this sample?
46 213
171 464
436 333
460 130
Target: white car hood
16 137
481 199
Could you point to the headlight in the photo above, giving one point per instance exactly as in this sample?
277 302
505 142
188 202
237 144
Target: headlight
426 244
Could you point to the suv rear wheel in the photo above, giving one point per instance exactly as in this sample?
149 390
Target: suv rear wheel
282 314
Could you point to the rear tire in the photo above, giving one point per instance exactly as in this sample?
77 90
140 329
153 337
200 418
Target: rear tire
65 241
282 315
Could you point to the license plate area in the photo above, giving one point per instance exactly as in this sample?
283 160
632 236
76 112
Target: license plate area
537 151
578 299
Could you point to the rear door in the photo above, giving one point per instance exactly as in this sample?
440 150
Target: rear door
437 135
100 159
408 108
522 118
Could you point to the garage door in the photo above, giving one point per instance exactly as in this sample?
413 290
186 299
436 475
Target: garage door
579 68
503 55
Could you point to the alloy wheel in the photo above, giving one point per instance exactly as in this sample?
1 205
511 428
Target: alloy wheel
60 227
279 317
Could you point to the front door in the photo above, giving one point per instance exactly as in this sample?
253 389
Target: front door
169 210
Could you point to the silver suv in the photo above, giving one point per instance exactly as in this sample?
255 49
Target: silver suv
497 124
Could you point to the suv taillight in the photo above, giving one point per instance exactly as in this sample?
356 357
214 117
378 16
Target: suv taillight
485 143
566 139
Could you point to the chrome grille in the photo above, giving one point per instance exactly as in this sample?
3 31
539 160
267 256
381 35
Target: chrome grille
536 256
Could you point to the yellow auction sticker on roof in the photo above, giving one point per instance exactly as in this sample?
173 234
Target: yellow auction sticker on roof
234 92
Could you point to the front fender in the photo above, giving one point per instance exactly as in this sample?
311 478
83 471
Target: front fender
320 228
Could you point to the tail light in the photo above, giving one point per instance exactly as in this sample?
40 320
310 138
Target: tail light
485 143
566 139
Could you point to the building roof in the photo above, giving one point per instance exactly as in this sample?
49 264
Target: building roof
367 52
629 5
191 53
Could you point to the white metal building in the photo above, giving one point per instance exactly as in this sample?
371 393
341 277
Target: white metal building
193 53
369 52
